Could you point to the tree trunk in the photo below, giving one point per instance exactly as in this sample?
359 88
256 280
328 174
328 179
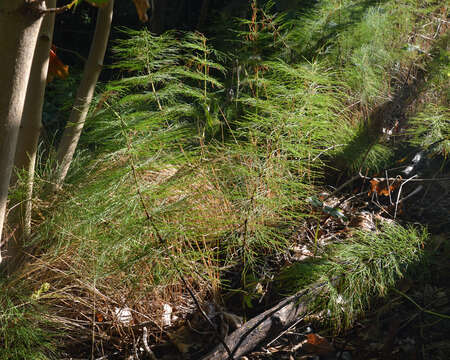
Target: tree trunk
27 143
85 92
19 28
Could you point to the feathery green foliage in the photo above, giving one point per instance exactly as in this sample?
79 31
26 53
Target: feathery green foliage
431 125
167 94
166 105
24 332
368 266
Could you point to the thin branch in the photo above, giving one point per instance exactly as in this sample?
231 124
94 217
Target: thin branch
413 179
16 205
150 353
400 192
288 329
415 191
135 177
324 151
342 186
222 341
135 348
443 316
389 188
42 11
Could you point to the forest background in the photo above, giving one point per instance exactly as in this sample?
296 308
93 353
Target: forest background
207 163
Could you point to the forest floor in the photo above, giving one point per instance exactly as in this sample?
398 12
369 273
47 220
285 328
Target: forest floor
411 323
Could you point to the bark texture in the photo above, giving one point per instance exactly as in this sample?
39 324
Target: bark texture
85 92
262 328
19 27
27 143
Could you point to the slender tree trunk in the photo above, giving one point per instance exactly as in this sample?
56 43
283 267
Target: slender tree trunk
19 28
85 92
27 143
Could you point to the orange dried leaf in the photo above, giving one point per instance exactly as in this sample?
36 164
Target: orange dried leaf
382 188
56 67
99 317
318 345
373 186
141 7
314 339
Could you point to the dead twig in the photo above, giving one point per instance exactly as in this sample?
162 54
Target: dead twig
411 179
389 188
400 192
149 351
135 348
342 186
324 151
415 191
285 331
197 304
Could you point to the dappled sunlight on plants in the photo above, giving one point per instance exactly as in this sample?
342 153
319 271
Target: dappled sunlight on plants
219 181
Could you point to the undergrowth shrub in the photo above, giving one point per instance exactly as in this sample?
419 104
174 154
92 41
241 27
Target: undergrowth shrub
166 97
369 53
367 266
430 127
356 271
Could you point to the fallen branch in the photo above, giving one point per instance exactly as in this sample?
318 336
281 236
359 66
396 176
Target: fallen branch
265 327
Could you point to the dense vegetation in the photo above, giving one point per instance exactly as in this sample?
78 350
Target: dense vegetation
208 160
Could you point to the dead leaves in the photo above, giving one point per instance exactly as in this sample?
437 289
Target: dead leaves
141 7
316 344
56 67
384 186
